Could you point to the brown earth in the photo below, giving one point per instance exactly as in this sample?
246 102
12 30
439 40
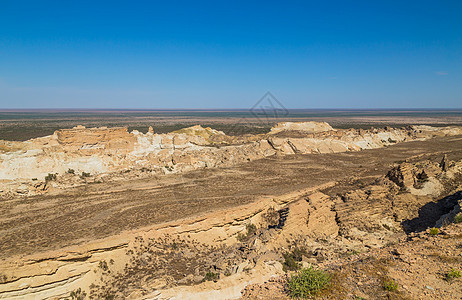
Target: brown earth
418 267
52 221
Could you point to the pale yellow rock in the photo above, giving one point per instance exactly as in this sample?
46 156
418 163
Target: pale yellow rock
309 127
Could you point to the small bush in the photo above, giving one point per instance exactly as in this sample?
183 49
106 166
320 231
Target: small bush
292 259
390 286
210 276
453 274
308 282
70 171
290 263
78 294
458 218
434 231
85 174
103 265
271 217
50 177
251 229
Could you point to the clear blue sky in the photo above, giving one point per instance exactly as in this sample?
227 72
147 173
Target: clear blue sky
217 54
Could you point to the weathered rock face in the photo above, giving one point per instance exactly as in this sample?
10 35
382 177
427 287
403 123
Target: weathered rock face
83 139
401 201
97 151
418 178
308 127
177 259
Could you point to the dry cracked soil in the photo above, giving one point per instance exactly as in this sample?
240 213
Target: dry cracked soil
39 223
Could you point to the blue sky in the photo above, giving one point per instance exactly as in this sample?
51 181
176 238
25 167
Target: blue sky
217 54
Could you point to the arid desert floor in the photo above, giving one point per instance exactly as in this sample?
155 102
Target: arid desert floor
358 204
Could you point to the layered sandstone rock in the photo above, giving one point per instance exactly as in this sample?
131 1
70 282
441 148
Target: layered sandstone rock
173 259
94 140
308 127
94 151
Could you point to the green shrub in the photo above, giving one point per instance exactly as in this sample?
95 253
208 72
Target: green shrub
85 174
458 218
210 276
453 274
50 177
250 230
308 282
70 171
434 231
290 263
292 259
390 285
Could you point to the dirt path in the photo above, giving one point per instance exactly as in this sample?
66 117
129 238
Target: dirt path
40 223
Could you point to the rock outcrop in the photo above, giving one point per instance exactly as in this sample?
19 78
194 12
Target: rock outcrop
217 254
85 140
93 152
307 127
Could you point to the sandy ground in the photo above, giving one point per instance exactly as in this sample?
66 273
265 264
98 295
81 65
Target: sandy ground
35 224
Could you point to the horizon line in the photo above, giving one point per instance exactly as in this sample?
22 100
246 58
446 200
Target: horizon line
216 109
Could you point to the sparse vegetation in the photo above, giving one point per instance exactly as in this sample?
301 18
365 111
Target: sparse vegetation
292 259
210 276
51 177
85 174
308 282
290 263
103 265
390 285
390 140
250 230
78 294
434 231
458 218
271 217
453 274
70 171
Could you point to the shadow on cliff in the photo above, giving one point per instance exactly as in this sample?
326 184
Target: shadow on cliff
430 213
